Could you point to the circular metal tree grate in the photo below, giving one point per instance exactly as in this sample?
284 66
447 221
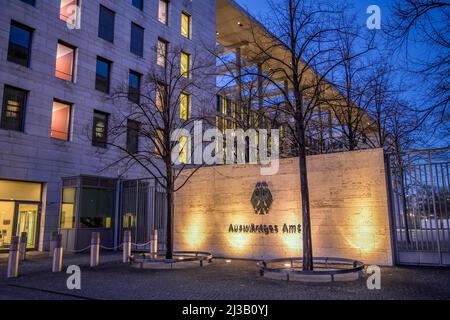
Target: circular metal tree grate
180 259
325 269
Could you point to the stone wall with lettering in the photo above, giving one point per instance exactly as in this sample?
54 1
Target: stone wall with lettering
349 205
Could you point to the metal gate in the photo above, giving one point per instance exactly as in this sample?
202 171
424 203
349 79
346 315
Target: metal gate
419 192
143 209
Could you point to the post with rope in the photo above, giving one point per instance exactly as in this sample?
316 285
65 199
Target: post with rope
13 258
95 249
126 246
52 242
154 244
23 246
57 254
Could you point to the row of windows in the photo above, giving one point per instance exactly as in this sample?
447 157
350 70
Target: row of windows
107 17
13 115
19 51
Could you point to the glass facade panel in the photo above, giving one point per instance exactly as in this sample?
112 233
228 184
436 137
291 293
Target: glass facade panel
67 218
14 102
20 191
19 44
137 40
97 208
103 71
6 222
106 24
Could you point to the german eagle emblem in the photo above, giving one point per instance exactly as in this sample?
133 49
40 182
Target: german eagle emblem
262 198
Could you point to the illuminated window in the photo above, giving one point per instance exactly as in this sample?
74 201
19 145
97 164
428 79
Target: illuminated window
160 93
162 53
14 102
185 64
60 120
163 11
185 102
183 155
68 11
65 56
67 214
99 129
159 142
185 25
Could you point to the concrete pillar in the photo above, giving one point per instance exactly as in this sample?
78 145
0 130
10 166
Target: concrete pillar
95 249
57 254
13 259
23 246
126 246
154 244
52 242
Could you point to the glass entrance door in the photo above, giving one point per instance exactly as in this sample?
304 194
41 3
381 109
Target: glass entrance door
7 209
27 217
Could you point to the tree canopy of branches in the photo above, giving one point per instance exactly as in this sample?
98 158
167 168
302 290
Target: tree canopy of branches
155 113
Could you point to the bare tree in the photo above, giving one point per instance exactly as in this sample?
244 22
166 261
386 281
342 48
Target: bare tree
425 23
155 113
293 50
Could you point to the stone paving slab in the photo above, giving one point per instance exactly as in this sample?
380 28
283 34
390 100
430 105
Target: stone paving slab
238 280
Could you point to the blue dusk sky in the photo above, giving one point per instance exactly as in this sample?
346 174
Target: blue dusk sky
413 88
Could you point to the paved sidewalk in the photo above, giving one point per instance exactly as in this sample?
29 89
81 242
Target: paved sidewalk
236 280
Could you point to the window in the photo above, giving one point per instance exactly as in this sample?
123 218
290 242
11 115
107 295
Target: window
162 52
68 10
138 4
163 11
160 93
185 101
67 215
185 64
137 40
19 49
106 24
14 102
103 74
61 120
100 128
65 57
133 136
97 208
159 142
183 155
134 86
29 2
185 25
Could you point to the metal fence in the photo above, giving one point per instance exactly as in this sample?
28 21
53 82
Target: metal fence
419 185
143 209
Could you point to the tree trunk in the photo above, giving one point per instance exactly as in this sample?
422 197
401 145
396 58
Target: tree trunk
170 214
304 191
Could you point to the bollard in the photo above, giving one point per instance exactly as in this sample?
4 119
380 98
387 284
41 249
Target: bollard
154 244
23 246
57 254
13 259
52 242
126 246
95 249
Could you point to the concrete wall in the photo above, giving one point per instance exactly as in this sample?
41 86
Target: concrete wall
348 202
32 155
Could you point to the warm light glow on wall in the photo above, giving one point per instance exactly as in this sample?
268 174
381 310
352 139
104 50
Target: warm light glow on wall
363 233
195 232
